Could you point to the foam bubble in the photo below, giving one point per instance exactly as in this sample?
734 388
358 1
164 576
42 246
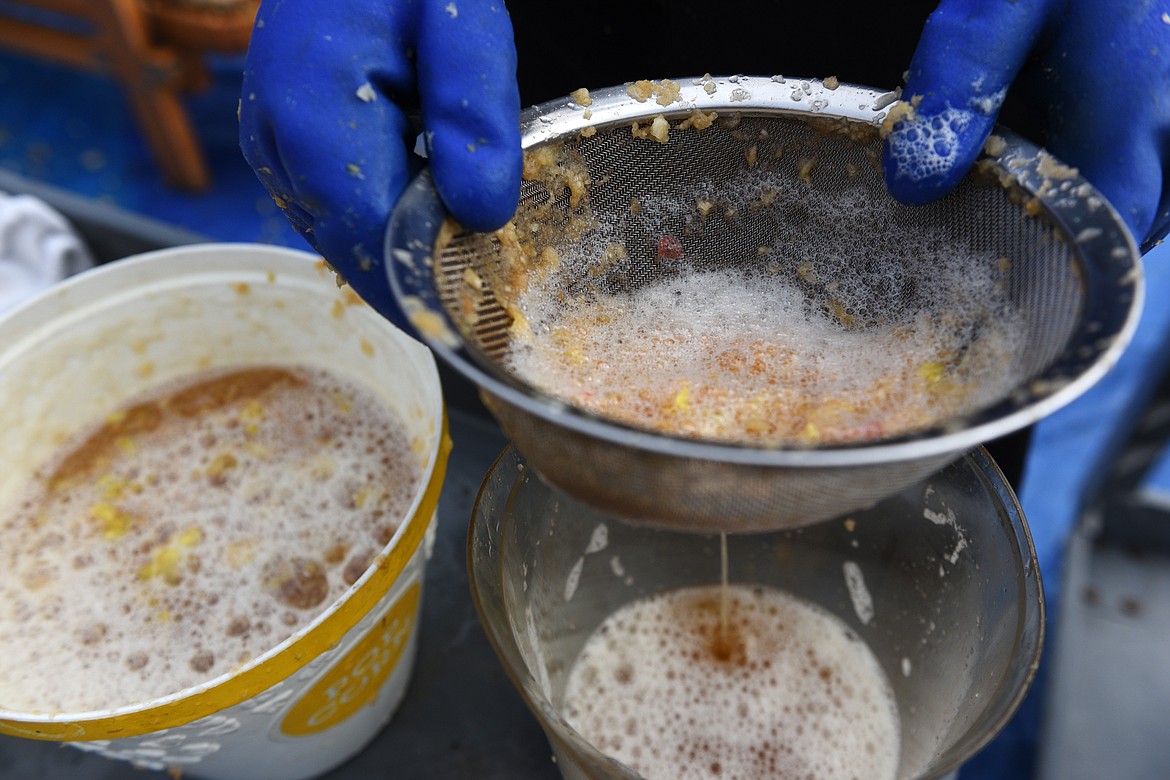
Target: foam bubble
843 324
205 524
788 691
928 145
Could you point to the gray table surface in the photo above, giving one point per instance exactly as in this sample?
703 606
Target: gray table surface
461 717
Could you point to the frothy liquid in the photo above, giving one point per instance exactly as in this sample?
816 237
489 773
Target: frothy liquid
787 691
728 356
193 531
838 326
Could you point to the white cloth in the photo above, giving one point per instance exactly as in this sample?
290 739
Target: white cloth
38 247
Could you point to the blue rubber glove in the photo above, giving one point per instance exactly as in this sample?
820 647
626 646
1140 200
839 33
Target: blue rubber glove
325 119
1099 68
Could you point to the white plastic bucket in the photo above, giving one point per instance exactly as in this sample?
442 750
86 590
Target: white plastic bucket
75 353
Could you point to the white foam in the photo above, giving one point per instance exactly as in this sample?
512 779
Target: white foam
187 550
926 146
793 693
719 354
859 594
841 328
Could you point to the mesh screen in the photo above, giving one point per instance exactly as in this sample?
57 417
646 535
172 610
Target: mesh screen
1030 282
798 200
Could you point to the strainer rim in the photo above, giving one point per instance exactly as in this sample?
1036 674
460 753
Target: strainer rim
1098 236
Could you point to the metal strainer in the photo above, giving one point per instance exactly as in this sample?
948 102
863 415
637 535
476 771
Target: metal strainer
1025 271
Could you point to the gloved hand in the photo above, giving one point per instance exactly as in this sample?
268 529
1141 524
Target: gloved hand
325 119
1100 69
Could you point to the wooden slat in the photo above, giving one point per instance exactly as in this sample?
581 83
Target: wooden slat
68 49
114 38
